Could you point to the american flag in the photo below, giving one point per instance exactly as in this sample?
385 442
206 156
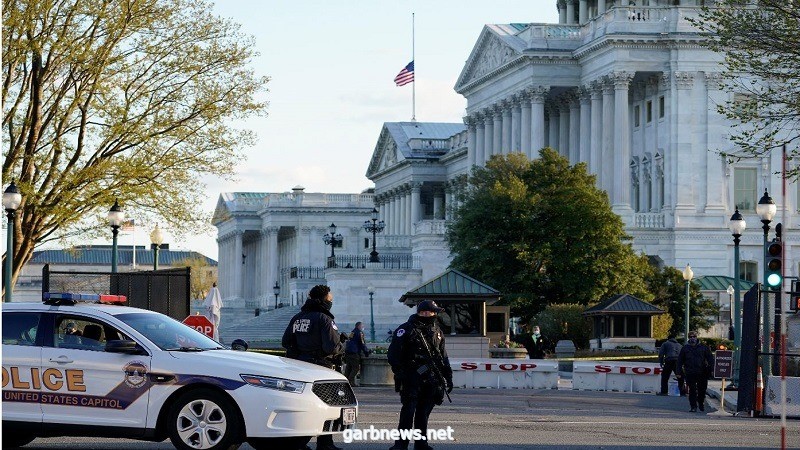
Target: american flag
406 75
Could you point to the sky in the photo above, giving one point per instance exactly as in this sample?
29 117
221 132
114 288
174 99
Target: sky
332 65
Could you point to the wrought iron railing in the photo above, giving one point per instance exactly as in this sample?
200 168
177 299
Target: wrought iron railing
386 261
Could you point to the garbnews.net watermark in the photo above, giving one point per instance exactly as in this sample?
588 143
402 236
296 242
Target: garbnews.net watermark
384 434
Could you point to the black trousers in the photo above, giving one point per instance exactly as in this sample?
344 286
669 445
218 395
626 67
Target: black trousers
418 402
698 384
669 369
352 367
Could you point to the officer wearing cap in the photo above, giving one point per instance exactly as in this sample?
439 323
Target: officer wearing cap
421 370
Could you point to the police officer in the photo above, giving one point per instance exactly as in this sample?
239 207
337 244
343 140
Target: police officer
312 336
421 370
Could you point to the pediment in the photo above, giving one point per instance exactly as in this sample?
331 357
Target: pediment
385 155
489 54
221 212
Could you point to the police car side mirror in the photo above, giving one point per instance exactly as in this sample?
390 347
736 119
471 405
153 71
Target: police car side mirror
128 347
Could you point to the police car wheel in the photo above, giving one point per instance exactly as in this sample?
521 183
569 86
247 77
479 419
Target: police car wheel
204 419
290 443
16 440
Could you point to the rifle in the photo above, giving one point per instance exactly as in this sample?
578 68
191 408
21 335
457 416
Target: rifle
434 366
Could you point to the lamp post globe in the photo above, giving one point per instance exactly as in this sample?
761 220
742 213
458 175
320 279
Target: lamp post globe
115 218
371 290
688 274
156 239
11 201
276 290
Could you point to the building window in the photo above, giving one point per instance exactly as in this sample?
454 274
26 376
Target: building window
748 270
637 112
744 195
635 186
649 111
366 242
661 107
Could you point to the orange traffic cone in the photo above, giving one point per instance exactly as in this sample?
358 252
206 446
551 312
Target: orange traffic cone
759 403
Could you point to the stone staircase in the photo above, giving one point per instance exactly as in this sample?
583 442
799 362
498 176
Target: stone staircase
265 330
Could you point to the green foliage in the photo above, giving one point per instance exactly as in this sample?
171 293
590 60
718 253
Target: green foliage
669 290
564 321
541 232
759 42
714 343
119 99
662 324
202 275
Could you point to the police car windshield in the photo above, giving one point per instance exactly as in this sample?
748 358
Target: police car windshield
168 333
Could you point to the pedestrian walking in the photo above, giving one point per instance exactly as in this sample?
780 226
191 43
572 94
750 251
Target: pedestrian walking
352 353
312 336
535 343
695 364
668 359
421 369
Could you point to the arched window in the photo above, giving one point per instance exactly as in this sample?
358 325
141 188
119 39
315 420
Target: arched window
748 270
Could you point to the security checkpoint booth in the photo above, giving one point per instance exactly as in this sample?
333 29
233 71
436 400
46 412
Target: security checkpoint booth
623 321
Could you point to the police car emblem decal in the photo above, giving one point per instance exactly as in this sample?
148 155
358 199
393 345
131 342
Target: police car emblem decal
401 332
135 374
340 393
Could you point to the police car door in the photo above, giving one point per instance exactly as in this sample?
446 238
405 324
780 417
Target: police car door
84 384
22 358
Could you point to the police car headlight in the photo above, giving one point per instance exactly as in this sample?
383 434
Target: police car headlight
274 383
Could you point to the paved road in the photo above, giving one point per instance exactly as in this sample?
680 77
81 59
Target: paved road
524 419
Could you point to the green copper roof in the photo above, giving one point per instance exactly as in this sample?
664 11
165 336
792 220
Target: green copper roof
451 285
623 304
720 283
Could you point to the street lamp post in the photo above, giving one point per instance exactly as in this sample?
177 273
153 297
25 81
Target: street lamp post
115 218
737 226
374 227
276 290
156 239
687 275
766 210
371 290
332 239
11 200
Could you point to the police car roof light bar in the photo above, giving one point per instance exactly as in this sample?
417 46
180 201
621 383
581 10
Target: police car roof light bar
70 298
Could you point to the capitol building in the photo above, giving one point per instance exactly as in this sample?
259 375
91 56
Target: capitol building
628 90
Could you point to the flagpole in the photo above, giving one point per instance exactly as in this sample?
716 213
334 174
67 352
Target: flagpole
413 83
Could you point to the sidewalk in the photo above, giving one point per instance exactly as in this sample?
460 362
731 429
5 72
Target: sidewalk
715 390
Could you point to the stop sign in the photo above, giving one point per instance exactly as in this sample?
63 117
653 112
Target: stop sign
201 324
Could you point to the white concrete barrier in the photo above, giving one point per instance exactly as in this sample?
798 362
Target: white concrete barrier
505 373
616 376
772 396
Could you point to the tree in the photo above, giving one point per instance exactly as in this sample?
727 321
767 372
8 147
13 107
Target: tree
128 99
542 233
203 275
559 322
669 290
760 42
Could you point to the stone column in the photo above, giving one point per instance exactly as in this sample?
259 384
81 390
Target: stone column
563 127
552 132
574 128
537 95
586 125
221 269
402 213
683 134
596 140
273 261
409 224
237 264
715 129
497 141
516 130
488 135
562 11
303 246
416 187
570 12
506 120
448 201
438 205
601 7
525 118
394 208
622 143
480 144
583 11
470 123
608 137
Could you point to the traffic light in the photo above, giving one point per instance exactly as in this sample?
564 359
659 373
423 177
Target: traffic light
774 275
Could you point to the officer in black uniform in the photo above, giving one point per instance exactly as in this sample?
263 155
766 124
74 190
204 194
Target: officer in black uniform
421 370
312 336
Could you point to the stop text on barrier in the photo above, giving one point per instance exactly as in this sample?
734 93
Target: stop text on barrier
626 370
508 367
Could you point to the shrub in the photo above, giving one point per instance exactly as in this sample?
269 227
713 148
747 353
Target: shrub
564 321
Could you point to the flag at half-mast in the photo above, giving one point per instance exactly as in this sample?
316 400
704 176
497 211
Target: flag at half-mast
406 75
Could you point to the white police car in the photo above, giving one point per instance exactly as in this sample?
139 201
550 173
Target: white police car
114 371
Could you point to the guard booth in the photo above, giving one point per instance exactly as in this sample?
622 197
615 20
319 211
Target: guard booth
623 321
471 319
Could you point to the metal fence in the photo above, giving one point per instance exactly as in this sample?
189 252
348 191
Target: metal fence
164 291
386 261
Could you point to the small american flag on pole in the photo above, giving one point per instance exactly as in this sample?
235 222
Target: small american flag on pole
406 75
